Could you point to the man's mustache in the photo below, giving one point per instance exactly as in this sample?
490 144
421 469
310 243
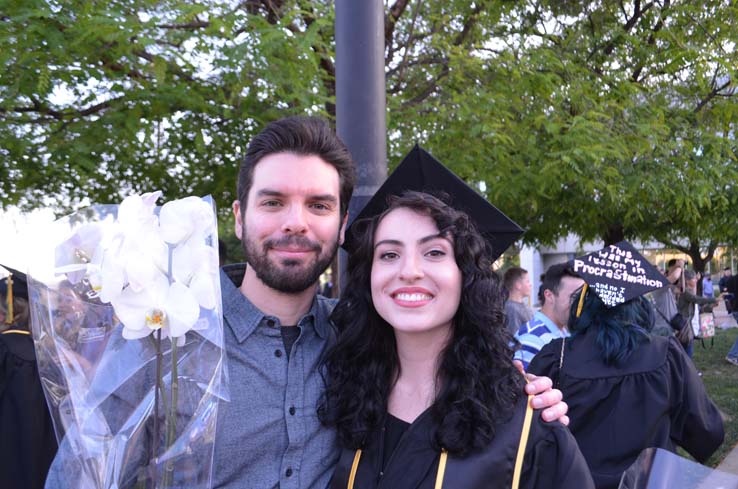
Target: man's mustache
292 242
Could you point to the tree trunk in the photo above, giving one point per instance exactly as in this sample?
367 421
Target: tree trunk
614 234
698 261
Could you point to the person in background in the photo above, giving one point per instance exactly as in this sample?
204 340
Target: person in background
627 390
707 288
27 440
732 356
732 292
558 284
723 282
328 285
518 287
724 285
664 300
688 299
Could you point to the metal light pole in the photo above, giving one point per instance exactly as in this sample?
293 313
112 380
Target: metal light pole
360 97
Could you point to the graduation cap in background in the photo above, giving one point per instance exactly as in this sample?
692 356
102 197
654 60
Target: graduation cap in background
14 285
617 273
421 172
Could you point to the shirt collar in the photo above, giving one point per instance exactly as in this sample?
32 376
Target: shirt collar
551 326
243 316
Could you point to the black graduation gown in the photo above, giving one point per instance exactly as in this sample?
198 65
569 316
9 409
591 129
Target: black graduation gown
656 400
552 460
27 441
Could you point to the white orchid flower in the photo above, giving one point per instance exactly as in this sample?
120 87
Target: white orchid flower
172 308
82 249
110 279
202 282
137 212
144 256
194 264
184 219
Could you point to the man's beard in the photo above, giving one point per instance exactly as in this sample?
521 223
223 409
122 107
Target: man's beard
289 276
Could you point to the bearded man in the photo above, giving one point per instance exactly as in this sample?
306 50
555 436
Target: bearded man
294 186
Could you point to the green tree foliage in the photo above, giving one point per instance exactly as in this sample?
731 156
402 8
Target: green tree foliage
98 99
609 119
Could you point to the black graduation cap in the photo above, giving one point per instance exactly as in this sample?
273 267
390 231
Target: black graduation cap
618 273
19 284
14 285
421 172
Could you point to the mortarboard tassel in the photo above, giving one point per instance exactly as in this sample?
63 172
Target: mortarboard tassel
581 299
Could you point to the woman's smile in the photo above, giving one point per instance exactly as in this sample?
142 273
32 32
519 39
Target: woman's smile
412 296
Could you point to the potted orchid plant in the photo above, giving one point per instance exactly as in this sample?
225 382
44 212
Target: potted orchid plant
137 408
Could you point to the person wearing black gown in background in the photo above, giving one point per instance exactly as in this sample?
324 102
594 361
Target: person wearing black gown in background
421 385
27 441
627 390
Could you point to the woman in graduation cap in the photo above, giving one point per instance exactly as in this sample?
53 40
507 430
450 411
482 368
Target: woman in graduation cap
27 441
626 390
421 386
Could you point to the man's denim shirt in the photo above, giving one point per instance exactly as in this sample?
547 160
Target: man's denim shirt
268 435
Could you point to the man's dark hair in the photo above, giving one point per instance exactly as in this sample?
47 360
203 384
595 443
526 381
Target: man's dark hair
512 275
304 136
552 279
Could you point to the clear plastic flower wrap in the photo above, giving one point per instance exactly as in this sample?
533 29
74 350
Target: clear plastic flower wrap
656 468
127 323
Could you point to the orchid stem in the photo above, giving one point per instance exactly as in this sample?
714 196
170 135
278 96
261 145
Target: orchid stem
157 387
172 415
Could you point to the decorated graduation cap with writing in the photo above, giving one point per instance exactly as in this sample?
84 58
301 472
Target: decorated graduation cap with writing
421 172
618 273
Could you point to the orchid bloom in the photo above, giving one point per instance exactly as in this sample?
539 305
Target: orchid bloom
136 212
131 267
74 256
157 295
185 219
172 308
186 224
133 251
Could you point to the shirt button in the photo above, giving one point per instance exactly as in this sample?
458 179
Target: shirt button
288 472
271 323
292 410
277 353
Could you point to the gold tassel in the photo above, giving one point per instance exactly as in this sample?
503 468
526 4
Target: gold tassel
518 469
9 316
354 468
441 469
581 299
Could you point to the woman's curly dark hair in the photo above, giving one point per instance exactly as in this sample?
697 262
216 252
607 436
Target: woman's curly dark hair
478 383
620 329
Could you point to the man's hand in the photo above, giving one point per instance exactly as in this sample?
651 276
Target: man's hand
546 397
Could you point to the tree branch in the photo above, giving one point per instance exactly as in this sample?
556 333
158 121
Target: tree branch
428 90
431 60
652 39
172 66
62 115
390 21
629 24
713 93
195 24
